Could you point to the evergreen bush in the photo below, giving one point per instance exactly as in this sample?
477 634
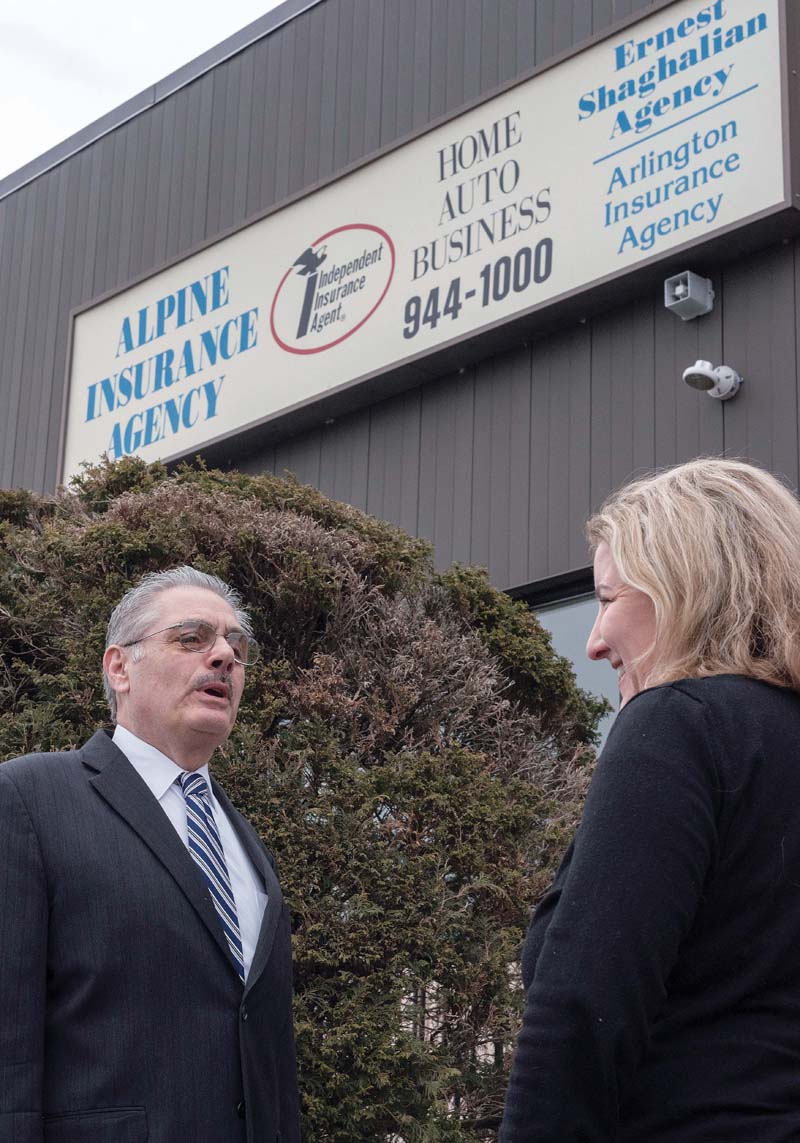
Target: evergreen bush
409 746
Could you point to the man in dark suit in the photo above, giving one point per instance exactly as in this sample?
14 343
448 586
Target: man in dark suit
145 956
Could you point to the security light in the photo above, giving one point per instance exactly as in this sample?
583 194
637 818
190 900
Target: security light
718 381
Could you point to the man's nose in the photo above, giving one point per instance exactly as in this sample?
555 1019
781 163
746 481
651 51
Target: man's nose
221 654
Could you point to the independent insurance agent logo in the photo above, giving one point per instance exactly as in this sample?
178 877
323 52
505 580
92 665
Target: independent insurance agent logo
333 287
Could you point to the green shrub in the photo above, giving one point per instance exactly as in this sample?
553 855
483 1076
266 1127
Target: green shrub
409 746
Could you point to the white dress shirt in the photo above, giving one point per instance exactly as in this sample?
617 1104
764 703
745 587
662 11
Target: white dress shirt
161 775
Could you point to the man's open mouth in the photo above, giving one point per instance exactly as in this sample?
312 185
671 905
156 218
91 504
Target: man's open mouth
216 690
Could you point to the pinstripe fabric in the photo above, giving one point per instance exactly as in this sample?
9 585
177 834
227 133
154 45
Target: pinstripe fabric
206 848
91 868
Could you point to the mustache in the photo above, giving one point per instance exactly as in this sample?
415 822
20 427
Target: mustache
214 677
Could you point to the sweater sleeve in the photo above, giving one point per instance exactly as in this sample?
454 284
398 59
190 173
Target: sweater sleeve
643 851
23 941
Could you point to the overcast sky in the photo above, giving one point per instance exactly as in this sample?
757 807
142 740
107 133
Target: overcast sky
64 63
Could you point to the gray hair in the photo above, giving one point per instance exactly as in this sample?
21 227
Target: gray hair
137 611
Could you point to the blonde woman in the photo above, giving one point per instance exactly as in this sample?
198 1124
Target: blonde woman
663 965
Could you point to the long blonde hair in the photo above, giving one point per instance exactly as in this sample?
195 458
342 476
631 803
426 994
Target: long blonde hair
715 544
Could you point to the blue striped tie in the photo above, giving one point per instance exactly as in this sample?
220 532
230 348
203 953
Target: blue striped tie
206 848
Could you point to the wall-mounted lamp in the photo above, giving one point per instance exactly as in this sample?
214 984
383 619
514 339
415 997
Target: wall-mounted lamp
718 381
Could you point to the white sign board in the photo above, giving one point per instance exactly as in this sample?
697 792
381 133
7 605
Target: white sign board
658 137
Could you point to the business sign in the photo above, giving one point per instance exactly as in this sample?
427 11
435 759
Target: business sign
653 139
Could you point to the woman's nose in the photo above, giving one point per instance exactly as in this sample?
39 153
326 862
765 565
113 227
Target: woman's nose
596 646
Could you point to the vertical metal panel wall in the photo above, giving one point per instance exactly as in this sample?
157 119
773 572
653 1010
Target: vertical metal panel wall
497 465
501 465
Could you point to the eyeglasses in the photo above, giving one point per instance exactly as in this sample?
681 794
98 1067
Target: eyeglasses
198 635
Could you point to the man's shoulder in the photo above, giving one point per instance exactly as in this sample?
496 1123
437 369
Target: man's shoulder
49 765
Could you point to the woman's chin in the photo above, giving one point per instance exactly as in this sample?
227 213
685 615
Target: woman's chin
627 689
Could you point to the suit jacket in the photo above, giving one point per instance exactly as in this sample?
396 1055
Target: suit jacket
123 1018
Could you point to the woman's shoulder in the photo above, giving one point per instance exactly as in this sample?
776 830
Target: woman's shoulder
712 690
726 718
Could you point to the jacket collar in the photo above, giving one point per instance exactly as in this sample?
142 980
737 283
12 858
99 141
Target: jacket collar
116 781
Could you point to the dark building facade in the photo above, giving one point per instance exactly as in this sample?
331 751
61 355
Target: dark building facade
496 456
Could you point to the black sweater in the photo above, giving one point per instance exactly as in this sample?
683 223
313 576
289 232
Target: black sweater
663 966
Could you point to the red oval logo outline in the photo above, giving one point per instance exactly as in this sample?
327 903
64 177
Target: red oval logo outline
350 332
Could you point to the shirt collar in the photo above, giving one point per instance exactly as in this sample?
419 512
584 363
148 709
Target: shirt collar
154 768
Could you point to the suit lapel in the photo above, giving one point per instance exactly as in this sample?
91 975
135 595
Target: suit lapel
116 781
258 855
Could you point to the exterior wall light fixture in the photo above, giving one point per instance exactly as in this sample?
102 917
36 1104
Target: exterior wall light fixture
718 381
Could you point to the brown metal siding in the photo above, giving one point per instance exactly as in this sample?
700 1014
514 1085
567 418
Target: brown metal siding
501 464
560 459
498 464
759 340
323 90
394 460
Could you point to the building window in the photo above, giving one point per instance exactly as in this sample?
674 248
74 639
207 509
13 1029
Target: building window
569 622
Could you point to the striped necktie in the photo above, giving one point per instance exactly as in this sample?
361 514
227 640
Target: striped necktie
206 848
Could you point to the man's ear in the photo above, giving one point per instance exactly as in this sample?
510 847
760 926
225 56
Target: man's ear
115 665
